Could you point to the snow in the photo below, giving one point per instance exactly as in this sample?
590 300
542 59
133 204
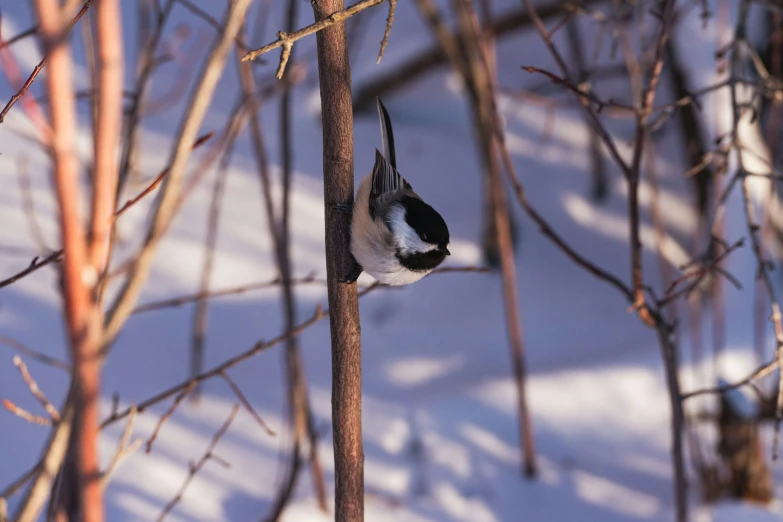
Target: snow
440 430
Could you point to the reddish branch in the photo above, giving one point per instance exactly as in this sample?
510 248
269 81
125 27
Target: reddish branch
107 130
82 321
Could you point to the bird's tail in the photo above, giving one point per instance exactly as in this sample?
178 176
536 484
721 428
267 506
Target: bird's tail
387 136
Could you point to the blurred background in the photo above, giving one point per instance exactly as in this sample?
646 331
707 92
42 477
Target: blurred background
609 360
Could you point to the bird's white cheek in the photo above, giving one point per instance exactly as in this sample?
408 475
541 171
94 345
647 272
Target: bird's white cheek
408 241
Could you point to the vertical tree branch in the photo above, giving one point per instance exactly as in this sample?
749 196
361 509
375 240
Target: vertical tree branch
81 320
480 66
334 72
108 127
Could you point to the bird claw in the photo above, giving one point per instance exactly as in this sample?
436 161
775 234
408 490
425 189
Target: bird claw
353 274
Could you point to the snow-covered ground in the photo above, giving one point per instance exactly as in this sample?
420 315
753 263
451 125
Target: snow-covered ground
440 431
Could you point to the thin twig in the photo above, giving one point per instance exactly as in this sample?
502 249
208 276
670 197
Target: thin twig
34 354
195 468
124 448
233 128
759 373
389 22
20 36
166 415
286 40
49 466
38 68
430 58
35 390
19 483
211 294
249 407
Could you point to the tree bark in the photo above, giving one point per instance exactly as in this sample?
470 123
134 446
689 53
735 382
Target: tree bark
334 73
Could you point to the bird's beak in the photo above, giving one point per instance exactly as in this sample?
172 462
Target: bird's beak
446 251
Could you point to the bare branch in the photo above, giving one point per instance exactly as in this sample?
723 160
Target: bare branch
124 448
195 468
26 415
34 354
286 40
249 407
166 415
35 390
389 22
211 294
38 68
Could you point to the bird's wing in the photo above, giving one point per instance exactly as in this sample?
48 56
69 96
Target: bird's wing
387 183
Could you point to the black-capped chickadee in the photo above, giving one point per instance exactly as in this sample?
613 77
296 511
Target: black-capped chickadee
395 236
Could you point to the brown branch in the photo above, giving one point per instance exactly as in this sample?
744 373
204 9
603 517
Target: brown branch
334 73
389 22
38 68
34 354
145 67
195 468
24 34
634 173
35 390
698 275
159 178
217 370
479 72
761 372
647 314
246 404
166 415
432 57
286 40
211 294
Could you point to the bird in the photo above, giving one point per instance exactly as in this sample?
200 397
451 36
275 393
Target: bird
396 237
